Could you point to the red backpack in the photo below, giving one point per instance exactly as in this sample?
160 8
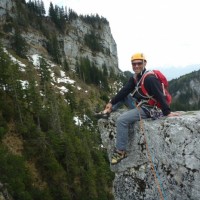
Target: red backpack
163 80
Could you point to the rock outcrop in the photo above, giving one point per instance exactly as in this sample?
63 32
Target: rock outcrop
174 146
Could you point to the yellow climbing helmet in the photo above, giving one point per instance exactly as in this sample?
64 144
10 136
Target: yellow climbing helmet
138 56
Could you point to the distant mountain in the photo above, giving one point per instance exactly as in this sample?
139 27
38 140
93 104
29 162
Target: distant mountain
186 92
175 72
172 72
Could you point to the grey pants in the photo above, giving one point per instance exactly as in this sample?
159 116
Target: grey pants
123 123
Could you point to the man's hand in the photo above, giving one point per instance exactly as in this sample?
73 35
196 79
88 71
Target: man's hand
173 114
108 108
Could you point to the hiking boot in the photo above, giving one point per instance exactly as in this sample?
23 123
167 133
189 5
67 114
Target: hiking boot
102 115
117 157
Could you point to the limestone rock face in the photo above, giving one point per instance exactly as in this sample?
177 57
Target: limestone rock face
174 147
5 6
74 45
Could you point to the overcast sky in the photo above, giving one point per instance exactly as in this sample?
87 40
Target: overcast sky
166 31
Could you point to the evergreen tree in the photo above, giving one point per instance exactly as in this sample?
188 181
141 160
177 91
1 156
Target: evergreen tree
66 65
54 49
92 41
21 19
105 71
19 44
52 13
10 84
42 8
72 15
57 16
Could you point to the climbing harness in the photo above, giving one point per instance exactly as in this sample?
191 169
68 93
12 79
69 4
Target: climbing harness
155 113
153 168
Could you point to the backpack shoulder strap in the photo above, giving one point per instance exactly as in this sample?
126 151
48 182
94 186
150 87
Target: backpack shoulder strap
147 73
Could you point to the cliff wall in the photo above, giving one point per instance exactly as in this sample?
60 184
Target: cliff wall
71 41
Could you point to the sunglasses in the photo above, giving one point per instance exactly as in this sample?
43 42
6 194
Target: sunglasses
137 63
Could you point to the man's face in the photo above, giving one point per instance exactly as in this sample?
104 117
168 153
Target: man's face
138 65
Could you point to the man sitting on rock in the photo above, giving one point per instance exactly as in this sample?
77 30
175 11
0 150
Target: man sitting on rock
142 110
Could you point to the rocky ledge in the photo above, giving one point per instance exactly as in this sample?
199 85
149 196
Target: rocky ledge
174 147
